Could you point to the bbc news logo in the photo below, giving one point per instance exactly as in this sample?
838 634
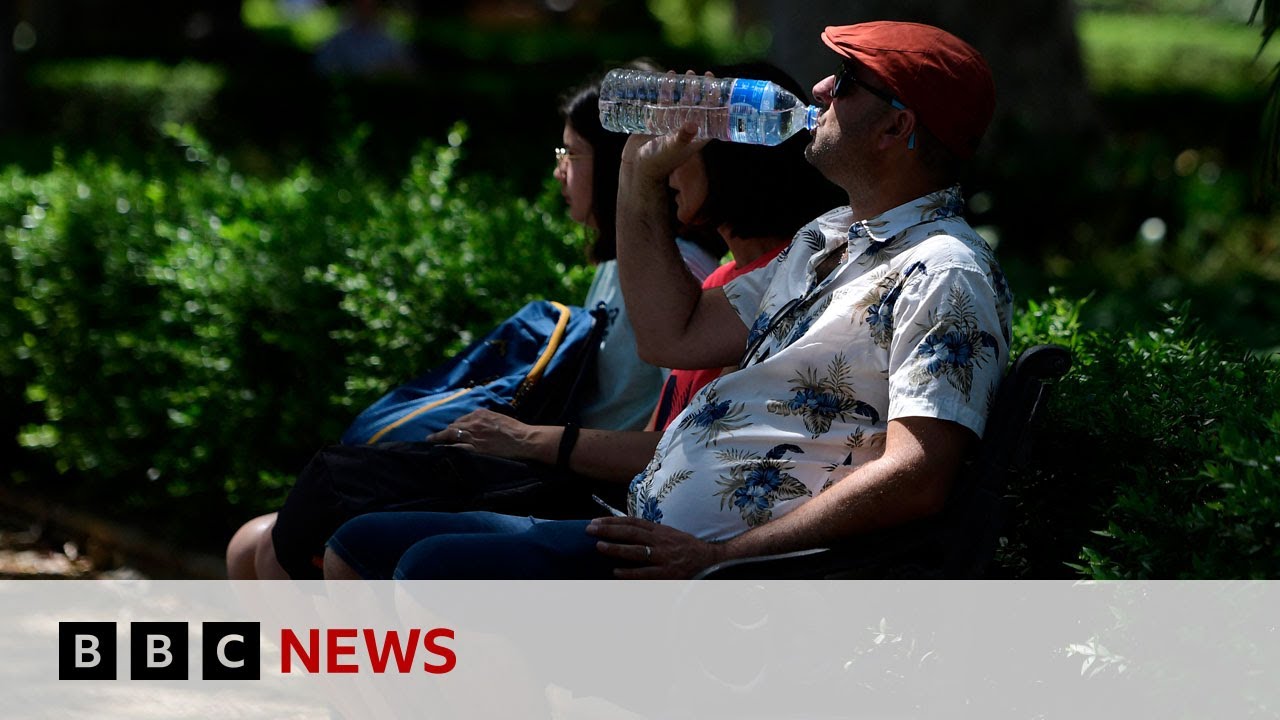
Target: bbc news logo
159 651
231 651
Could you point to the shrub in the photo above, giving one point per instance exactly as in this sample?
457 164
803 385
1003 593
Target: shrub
112 102
475 254
1158 456
184 339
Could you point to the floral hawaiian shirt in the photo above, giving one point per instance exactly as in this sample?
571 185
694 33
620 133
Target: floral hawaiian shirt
913 321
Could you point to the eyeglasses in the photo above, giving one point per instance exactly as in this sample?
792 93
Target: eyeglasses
563 156
845 80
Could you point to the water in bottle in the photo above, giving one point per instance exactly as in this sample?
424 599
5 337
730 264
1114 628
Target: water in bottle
746 111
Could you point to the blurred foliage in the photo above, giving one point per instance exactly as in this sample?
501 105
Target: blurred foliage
271 109
176 343
1222 9
1167 224
711 24
1165 210
1158 455
1127 53
307 28
705 26
122 104
1267 13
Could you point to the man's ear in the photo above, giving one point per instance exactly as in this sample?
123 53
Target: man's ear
900 129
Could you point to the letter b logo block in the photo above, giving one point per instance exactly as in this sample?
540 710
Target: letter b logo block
231 651
86 651
158 651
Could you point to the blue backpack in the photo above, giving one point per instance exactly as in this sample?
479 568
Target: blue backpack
531 367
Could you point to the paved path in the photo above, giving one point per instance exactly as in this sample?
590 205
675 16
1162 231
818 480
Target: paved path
27 550
33 551
43 541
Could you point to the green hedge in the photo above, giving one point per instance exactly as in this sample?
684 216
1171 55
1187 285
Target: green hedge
177 343
1159 456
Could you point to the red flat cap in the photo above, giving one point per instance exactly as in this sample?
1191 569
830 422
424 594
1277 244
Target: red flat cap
939 76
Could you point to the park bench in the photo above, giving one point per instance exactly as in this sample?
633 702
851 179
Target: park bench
961 541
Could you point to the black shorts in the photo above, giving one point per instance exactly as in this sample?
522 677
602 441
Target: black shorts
344 481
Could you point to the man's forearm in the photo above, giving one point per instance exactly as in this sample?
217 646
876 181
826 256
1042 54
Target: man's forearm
870 498
910 481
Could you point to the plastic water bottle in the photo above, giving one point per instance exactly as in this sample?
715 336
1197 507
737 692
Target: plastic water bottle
746 111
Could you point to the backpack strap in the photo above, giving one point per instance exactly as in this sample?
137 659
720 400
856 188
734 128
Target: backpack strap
600 316
425 408
553 343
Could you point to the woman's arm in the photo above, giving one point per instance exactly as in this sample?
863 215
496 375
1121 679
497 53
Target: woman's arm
610 455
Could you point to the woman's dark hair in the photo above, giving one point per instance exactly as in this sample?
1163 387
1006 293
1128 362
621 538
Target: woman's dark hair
581 110
762 191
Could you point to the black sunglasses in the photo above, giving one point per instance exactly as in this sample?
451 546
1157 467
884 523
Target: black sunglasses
846 81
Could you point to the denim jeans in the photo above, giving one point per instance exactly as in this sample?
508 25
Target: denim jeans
468 546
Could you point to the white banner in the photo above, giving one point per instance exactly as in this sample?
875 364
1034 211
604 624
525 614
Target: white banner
604 650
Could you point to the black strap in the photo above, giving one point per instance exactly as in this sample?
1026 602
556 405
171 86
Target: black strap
568 439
